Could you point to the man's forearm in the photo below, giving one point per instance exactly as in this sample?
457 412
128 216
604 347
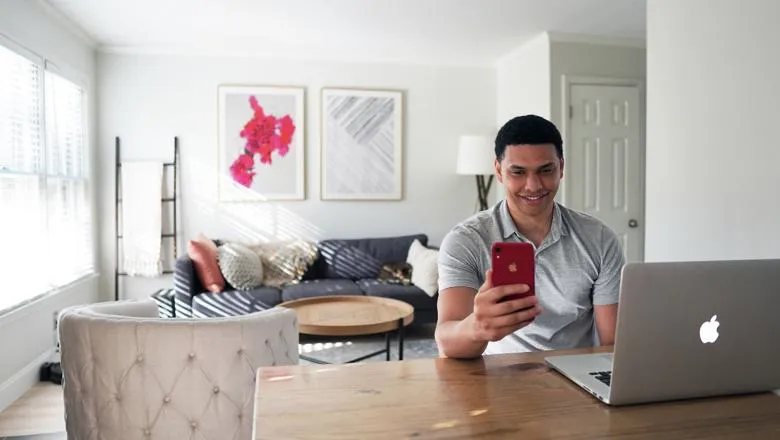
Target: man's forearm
456 340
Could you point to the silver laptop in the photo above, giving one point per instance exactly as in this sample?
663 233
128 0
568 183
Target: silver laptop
687 330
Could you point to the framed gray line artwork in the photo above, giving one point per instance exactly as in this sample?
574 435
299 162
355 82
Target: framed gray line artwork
261 143
361 144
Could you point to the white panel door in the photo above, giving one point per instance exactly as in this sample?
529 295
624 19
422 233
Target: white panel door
605 160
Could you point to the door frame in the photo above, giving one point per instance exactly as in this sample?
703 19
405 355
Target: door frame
567 81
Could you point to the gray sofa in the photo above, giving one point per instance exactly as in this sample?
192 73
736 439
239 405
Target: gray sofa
343 267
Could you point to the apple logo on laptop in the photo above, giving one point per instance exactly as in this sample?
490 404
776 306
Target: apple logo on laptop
708 332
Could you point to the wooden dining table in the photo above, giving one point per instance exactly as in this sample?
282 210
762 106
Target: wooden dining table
512 396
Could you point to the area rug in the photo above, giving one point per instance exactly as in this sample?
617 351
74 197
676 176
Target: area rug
418 343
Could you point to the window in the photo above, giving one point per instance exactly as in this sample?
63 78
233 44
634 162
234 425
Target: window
45 208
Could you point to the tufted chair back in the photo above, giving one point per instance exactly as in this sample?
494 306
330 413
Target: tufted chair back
129 375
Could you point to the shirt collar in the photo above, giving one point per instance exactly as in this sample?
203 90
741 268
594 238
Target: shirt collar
508 227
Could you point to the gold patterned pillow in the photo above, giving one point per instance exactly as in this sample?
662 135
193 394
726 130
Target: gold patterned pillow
285 262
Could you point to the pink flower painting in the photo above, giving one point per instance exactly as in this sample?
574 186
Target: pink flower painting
263 134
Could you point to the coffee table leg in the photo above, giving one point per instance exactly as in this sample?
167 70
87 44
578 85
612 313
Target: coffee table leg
400 340
387 346
312 360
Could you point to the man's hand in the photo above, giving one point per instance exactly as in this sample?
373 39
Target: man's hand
469 319
494 317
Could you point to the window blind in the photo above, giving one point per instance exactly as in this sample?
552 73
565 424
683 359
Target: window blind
45 208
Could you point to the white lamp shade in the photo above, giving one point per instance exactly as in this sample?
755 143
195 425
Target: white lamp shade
476 155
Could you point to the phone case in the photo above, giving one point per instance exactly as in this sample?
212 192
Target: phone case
513 263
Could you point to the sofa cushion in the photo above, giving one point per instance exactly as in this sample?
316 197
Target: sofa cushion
425 270
285 262
203 253
396 273
240 266
314 288
410 294
363 258
235 302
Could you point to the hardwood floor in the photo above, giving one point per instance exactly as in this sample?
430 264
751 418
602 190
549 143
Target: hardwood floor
38 415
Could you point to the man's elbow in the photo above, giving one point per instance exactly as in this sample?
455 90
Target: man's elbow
452 353
609 340
606 323
450 344
606 336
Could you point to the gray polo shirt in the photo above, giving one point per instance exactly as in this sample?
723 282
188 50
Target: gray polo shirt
578 266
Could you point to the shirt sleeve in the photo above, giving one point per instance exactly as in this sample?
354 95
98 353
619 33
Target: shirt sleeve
458 262
606 289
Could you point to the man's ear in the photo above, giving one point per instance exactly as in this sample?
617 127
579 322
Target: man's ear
561 167
497 166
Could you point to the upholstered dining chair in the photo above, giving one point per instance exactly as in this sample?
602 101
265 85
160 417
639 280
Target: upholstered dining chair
129 375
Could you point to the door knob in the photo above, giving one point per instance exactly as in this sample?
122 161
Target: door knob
633 223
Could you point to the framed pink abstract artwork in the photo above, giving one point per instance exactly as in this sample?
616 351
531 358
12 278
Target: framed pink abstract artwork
261 143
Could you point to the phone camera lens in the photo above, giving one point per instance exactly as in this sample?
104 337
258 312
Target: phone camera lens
498 249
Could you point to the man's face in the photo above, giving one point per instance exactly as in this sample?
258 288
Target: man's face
531 175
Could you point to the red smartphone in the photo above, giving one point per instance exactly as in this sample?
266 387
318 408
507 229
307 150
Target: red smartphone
513 263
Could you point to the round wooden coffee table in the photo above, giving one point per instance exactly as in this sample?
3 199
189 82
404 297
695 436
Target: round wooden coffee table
353 315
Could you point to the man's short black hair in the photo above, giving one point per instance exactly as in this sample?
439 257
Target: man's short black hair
528 130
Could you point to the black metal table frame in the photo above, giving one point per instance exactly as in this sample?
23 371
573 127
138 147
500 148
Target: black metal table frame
388 334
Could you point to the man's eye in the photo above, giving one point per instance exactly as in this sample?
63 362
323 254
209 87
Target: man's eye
518 172
546 171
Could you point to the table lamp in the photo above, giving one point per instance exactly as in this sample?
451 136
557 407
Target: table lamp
476 157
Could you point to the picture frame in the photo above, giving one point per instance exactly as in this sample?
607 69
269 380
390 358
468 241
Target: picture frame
361 154
261 144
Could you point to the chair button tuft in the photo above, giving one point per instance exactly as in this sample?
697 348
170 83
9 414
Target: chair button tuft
147 433
192 355
166 399
118 397
194 425
140 359
215 390
240 351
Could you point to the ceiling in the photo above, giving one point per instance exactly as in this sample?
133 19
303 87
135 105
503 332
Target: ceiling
415 31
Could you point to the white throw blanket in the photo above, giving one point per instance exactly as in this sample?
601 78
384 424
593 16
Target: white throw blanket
142 218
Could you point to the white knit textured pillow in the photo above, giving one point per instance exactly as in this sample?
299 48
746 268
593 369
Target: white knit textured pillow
240 266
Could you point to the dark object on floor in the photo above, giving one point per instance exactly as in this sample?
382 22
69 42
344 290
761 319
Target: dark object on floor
51 372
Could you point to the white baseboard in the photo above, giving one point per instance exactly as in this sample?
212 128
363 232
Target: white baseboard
18 384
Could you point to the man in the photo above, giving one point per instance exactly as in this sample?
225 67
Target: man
578 260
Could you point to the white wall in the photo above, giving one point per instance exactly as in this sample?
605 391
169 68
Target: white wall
523 81
147 99
713 158
27 334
